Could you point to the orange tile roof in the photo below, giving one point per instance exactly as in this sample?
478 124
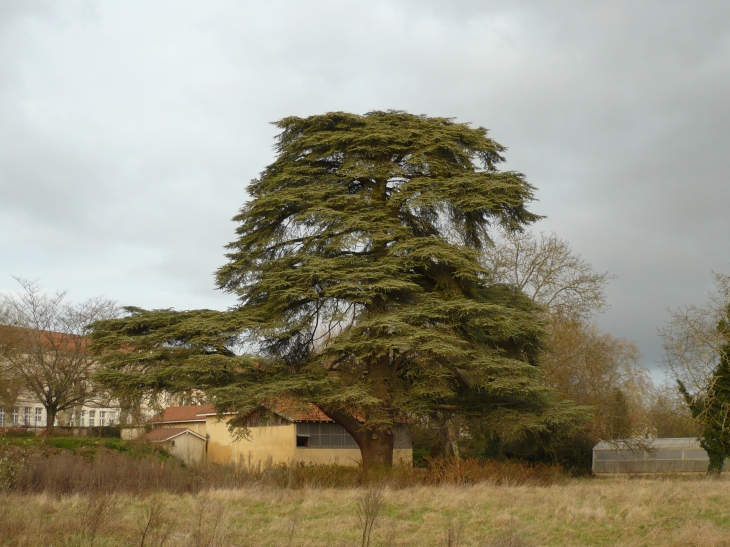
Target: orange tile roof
300 412
289 410
49 340
293 411
162 434
189 413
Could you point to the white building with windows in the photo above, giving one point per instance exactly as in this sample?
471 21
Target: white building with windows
27 413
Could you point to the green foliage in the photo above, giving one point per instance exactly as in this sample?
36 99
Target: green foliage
712 409
87 446
360 288
19 433
9 463
79 443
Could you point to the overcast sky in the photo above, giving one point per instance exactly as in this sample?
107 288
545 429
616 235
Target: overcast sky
129 130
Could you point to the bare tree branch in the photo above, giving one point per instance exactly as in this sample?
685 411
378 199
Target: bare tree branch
545 268
691 340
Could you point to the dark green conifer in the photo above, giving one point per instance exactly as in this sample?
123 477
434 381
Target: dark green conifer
359 288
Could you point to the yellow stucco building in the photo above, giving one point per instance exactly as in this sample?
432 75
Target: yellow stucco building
292 435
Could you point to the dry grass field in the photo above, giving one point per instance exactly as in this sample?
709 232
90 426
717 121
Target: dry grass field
577 512
108 493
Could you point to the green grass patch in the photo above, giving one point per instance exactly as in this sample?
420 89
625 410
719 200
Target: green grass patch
82 445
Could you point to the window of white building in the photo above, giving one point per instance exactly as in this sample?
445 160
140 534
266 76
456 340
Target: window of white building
83 419
16 415
102 418
92 417
26 415
38 416
2 416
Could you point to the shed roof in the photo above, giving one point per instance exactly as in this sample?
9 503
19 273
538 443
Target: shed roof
301 412
189 413
657 444
293 411
165 434
289 410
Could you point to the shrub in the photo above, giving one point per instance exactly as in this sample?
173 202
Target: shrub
507 473
66 465
18 433
10 462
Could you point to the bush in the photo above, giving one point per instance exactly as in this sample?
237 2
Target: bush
506 473
11 461
17 433
67 472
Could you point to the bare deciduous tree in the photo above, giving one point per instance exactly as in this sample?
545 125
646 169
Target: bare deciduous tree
697 356
45 347
585 365
692 341
594 368
545 268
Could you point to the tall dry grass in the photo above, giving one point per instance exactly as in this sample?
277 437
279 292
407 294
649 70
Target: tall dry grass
109 499
579 512
64 473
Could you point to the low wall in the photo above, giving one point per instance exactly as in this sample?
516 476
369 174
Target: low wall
108 432
131 433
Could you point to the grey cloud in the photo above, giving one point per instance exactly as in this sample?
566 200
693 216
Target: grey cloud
129 130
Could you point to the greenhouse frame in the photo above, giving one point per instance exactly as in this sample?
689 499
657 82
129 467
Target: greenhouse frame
683 455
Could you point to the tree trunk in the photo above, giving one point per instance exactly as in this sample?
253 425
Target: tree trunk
717 460
77 415
453 434
376 449
50 420
376 446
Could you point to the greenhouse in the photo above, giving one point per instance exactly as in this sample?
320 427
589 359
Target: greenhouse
650 456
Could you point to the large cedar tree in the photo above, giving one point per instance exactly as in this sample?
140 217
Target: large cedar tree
359 285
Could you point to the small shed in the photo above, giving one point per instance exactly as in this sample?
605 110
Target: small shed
182 443
682 455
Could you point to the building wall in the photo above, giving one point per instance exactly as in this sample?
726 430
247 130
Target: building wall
273 443
25 413
131 433
403 456
277 444
346 456
188 448
338 456
28 412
